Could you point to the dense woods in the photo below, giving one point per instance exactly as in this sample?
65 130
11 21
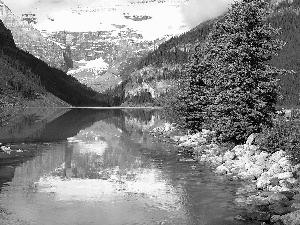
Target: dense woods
285 15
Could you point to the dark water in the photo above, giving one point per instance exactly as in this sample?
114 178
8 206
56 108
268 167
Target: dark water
101 167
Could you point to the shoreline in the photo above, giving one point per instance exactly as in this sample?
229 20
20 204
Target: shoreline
85 107
270 184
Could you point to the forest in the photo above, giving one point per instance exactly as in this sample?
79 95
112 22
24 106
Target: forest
178 49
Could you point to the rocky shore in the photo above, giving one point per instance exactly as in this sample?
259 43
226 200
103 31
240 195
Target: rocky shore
270 189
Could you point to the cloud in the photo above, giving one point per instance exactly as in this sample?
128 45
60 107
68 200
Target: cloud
198 11
18 6
21 6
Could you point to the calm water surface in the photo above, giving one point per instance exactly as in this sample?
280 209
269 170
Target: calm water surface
100 167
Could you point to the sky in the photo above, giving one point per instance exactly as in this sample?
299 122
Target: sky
166 17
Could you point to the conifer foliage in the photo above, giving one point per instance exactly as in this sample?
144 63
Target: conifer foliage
232 88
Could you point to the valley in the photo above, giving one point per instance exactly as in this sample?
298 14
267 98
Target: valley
134 112
108 49
117 57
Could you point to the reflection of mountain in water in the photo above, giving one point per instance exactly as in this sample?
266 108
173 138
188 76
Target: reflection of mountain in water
27 123
98 159
111 128
53 125
106 138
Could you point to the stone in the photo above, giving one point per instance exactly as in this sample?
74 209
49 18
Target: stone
292 218
296 168
284 183
222 169
274 181
285 175
243 218
293 181
216 160
275 197
239 150
297 174
263 181
288 114
274 169
229 155
246 189
255 171
265 193
235 170
263 216
276 156
280 210
275 218
295 205
257 200
251 148
261 159
240 200
184 138
288 194
296 197
277 188
285 164
251 138
246 176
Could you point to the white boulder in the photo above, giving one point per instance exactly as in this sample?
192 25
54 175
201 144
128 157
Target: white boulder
222 169
263 181
229 155
284 176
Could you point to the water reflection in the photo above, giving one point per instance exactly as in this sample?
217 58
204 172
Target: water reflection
101 167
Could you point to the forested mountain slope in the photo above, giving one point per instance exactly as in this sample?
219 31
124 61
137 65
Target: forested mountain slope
30 77
30 39
156 72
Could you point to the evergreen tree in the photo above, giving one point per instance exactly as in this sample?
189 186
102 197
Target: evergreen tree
232 88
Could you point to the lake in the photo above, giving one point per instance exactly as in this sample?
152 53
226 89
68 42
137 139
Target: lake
101 166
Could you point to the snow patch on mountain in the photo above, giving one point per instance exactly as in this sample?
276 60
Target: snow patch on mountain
96 66
152 19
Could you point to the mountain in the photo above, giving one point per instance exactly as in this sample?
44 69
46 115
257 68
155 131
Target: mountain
156 72
30 39
99 56
111 32
26 76
19 86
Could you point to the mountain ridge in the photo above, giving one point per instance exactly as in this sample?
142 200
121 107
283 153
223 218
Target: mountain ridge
25 66
165 63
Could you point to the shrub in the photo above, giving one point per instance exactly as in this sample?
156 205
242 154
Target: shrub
284 135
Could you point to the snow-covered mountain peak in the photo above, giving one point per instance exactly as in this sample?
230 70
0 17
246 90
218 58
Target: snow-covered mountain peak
152 18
